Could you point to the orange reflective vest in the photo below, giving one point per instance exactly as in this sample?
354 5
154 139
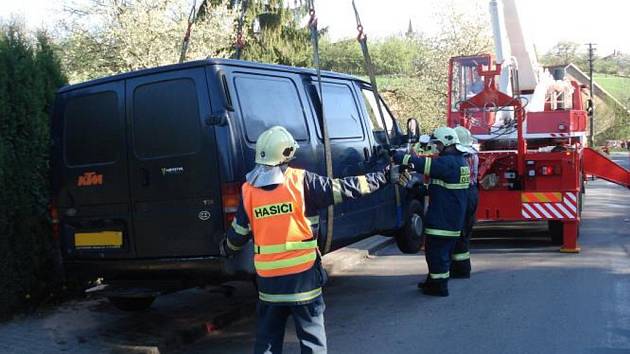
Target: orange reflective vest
283 239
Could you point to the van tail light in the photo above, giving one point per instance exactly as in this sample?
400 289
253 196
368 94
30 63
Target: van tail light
54 221
231 193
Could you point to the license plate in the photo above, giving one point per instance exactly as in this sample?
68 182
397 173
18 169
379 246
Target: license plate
102 239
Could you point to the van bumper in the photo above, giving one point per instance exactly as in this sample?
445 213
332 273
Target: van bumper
209 268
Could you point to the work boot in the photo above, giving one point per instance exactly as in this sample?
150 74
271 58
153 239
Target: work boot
460 269
422 283
436 287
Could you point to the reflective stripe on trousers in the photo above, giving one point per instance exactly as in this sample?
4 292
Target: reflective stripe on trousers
458 257
440 232
440 275
299 297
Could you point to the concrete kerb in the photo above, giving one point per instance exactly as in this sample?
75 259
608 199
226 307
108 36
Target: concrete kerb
344 258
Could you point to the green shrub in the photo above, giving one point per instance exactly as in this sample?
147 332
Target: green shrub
29 75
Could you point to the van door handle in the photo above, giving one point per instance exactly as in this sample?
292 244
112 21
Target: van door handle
145 177
366 153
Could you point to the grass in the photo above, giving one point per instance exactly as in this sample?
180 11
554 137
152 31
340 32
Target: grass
618 86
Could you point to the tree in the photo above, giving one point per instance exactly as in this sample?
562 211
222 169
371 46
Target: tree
344 56
413 67
564 53
462 33
274 33
29 77
105 37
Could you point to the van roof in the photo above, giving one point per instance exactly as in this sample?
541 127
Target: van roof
209 61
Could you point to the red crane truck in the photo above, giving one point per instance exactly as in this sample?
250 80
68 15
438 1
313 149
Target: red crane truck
531 131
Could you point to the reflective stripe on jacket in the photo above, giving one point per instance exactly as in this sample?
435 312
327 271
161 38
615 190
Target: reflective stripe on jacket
283 239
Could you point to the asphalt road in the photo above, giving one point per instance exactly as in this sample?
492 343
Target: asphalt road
524 296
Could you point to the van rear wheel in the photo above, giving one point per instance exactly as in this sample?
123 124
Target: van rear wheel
132 304
409 238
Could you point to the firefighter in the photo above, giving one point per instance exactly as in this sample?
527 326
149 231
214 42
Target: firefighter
448 191
279 208
460 266
423 147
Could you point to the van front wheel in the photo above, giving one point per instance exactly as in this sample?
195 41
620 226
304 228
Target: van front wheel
409 238
132 304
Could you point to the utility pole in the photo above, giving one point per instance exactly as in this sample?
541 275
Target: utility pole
591 105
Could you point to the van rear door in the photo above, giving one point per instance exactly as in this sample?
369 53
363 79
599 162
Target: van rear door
173 165
89 177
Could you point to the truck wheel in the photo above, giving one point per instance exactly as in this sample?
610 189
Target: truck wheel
556 229
410 237
132 304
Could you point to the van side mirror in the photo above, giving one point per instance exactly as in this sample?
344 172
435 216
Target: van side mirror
413 130
218 118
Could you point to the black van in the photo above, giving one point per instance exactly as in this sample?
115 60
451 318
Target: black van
147 168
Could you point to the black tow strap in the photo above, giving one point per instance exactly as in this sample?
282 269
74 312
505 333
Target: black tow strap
191 21
369 68
240 44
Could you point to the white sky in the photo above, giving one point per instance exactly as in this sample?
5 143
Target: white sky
545 22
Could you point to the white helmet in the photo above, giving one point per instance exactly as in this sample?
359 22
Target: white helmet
465 138
275 146
448 137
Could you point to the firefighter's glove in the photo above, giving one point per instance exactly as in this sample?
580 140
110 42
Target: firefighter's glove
405 178
390 171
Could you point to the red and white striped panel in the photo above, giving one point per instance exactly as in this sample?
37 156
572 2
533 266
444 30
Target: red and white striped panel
567 209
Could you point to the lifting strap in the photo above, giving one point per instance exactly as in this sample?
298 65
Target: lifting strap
240 44
312 24
369 68
191 20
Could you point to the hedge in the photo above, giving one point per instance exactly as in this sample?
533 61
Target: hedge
30 73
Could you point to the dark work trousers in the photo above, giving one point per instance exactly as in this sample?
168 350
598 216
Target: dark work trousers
461 254
438 254
309 327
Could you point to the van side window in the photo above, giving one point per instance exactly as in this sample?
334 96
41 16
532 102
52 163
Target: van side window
93 129
266 101
341 112
166 119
